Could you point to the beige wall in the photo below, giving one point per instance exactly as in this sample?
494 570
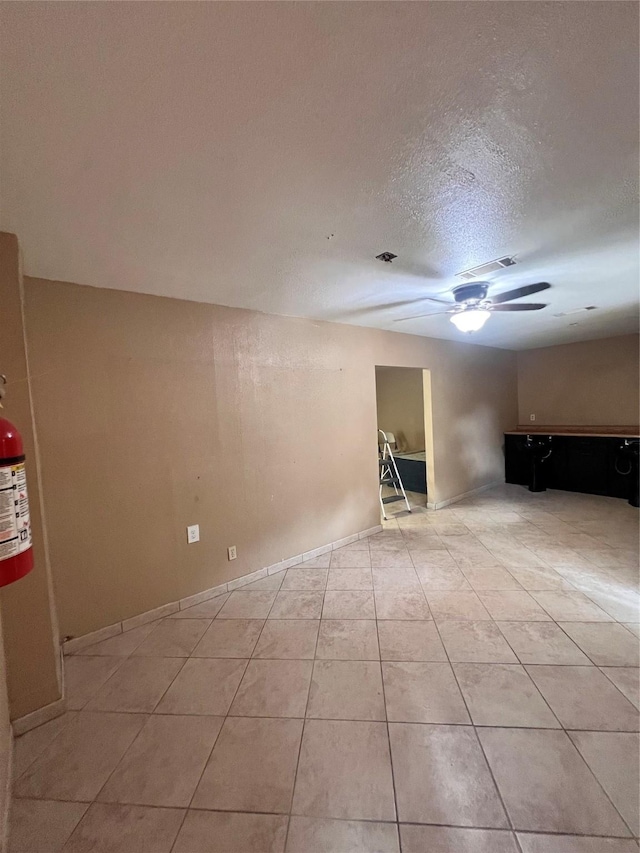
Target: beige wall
30 632
588 383
154 413
400 405
6 746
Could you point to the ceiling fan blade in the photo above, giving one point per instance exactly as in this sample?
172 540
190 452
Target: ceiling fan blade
527 290
417 316
523 306
441 301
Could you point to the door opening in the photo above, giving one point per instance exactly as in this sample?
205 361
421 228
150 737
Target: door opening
403 400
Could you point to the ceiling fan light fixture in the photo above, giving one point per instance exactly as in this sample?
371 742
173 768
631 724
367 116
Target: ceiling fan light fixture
470 321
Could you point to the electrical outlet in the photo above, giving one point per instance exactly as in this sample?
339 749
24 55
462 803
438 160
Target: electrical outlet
532 417
231 552
193 533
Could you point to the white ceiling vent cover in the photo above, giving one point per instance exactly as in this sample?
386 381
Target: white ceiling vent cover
485 269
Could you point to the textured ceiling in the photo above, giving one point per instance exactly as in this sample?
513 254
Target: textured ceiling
261 154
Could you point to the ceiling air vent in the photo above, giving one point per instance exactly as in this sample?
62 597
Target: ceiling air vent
485 269
576 311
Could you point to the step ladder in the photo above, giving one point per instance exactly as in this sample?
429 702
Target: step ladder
389 475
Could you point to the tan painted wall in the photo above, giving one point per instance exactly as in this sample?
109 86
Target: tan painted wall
30 632
6 746
588 383
155 413
400 405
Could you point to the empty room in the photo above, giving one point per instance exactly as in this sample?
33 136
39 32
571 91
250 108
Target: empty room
319 427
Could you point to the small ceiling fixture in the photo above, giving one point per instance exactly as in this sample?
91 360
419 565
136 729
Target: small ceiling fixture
485 269
387 257
470 321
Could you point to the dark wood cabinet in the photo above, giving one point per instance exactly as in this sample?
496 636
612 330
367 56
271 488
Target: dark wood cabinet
589 464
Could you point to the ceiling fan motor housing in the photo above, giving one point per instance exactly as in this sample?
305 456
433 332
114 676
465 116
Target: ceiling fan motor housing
476 292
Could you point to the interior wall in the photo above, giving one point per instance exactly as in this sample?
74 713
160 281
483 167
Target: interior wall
6 747
400 405
28 617
589 383
156 413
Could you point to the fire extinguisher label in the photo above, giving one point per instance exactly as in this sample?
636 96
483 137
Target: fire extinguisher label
15 526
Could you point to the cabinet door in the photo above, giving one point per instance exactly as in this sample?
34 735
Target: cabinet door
586 466
516 464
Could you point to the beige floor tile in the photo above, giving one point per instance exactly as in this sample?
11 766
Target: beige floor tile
79 761
42 825
542 642
491 579
513 606
391 560
350 579
400 579
475 642
349 604
273 688
205 610
111 828
535 843
297 605
441 777
456 605
306 579
539 579
346 690
173 638
32 744
229 638
247 605
448 839
476 559
634 627
627 680
623 607
231 832
252 767
163 765
606 643
614 759
322 835
396 604
204 686
545 784
503 695
434 560
137 686
357 545
288 639
84 676
348 639
272 582
321 562
568 606
445 578
581 697
410 641
335 759
422 693
122 644
393 543
350 560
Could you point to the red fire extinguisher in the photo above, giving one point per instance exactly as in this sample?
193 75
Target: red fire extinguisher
16 551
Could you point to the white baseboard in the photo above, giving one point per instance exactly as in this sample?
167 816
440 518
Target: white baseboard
75 644
38 717
449 501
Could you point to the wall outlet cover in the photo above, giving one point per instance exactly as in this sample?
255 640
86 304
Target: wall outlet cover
532 417
232 552
193 533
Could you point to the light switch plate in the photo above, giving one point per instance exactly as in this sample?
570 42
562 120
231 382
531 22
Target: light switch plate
193 533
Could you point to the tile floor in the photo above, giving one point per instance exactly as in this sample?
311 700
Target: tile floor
465 681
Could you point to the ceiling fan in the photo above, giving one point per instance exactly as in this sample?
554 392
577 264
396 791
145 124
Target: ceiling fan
471 307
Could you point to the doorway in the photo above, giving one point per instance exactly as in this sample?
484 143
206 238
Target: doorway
403 404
